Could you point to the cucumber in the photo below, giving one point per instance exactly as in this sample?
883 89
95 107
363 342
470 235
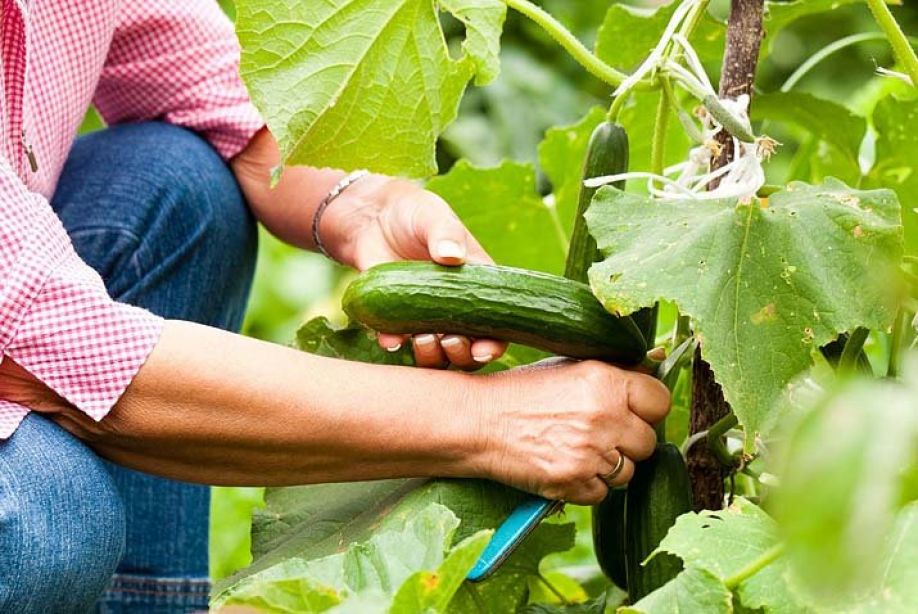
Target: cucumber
542 311
659 492
607 154
609 536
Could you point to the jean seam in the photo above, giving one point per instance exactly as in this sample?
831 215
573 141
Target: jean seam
18 537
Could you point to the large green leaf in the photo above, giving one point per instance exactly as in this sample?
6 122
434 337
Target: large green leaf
842 484
363 83
823 120
724 542
561 156
693 590
411 563
319 336
502 208
764 283
896 159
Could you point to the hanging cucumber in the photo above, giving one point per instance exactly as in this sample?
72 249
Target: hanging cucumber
543 311
607 154
658 494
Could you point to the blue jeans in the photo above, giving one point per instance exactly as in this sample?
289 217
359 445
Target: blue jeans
159 215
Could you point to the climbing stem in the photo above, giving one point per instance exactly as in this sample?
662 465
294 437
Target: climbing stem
905 54
898 341
755 566
568 41
694 18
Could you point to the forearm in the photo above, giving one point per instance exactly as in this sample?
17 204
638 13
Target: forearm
217 408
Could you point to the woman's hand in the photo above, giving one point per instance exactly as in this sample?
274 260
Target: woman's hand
381 219
556 429
377 219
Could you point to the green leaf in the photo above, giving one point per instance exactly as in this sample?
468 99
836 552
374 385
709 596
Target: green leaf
854 447
764 285
693 590
779 15
503 210
319 336
507 589
561 156
723 542
363 83
594 606
411 563
896 163
824 120
898 589
628 35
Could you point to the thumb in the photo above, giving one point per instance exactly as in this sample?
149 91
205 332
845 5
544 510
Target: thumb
446 237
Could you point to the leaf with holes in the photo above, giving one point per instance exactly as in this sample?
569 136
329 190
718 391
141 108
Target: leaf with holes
765 282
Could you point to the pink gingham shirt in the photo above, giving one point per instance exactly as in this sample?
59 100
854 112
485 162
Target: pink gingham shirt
136 60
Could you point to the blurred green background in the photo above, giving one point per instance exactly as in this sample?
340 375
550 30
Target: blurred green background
539 87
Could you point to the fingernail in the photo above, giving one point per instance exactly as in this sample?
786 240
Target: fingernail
450 342
450 249
425 340
483 358
394 348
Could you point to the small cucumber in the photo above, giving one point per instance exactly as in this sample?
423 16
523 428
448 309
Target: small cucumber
609 536
543 311
658 494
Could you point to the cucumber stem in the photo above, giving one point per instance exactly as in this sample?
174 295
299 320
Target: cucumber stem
755 566
898 341
658 147
902 49
568 42
716 443
847 364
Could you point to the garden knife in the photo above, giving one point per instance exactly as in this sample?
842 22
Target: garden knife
510 534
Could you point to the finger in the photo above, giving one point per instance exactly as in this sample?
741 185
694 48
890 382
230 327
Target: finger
638 440
459 352
648 398
391 343
428 353
592 492
623 477
484 351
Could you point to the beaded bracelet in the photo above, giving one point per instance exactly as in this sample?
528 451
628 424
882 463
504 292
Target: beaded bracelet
334 193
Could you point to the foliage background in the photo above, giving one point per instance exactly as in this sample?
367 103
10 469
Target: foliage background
539 87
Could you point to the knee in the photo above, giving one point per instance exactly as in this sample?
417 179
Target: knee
61 522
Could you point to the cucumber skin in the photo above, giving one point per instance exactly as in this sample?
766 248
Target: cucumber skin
543 311
658 494
609 536
607 154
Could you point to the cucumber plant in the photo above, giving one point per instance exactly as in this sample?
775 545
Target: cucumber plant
782 274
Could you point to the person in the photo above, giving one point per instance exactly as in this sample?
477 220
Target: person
125 259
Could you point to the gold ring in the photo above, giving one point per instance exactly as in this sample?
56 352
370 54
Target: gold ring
617 469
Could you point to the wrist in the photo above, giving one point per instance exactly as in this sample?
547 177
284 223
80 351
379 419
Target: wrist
360 203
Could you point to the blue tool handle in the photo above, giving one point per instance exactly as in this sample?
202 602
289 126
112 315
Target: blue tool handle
510 534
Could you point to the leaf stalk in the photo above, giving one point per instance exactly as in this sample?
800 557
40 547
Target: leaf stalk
568 42
902 49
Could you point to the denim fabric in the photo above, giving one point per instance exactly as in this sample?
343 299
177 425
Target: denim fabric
155 210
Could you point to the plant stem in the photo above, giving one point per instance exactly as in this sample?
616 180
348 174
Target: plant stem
899 341
903 50
818 57
847 364
764 560
693 19
564 600
658 147
568 41
618 103
744 39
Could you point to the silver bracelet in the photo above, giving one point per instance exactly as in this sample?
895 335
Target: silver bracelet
334 193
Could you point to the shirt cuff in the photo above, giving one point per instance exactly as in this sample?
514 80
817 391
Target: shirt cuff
82 344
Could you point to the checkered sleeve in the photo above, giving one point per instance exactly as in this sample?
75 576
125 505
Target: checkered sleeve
56 318
178 61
